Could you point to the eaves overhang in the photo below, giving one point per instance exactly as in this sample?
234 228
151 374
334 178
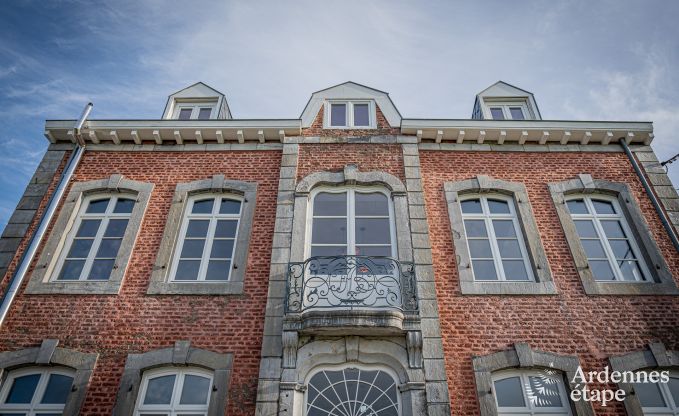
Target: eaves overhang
175 131
528 131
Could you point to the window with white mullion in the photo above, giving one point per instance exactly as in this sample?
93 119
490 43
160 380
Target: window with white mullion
174 392
35 391
537 392
609 246
659 398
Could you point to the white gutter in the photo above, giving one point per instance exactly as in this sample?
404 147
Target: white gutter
29 254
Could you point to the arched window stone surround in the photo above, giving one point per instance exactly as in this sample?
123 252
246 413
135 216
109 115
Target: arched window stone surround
40 283
655 357
182 354
391 353
663 283
160 279
543 284
522 356
48 354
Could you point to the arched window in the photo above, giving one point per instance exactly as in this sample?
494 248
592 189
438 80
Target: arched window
93 243
352 391
36 391
495 239
174 392
352 221
530 392
611 250
659 398
207 242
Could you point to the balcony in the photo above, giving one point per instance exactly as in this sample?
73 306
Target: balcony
362 295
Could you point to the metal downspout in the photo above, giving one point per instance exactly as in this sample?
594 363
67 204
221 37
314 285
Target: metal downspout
36 238
663 217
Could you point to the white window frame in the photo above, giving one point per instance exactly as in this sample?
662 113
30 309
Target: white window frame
35 407
505 105
351 217
596 220
488 218
372 114
530 409
174 408
105 218
360 366
195 109
213 217
672 408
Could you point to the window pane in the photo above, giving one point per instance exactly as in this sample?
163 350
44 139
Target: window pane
197 228
192 249
329 231
80 248
603 207
159 390
101 270
88 228
361 115
516 113
115 228
71 270
621 249
497 114
484 270
328 251
471 206
330 204
372 204
57 389
185 113
480 249
544 392
338 115
601 270
229 206
203 207
373 251
504 228
98 206
123 206
585 229
649 395
22 389
577 206
514 270
509 392
204 113
187 270
195 390
509 249
475 228
222 249
673 385
372 231
630 270
612 229
218 270
226 228
593 249
109 248
498 207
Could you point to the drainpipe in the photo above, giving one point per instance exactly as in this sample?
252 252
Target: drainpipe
36 238
663 218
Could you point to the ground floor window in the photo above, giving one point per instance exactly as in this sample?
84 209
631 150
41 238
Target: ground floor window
175 391
35 391
530 393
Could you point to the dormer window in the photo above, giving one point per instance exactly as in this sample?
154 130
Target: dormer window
193 111
508 111
350 115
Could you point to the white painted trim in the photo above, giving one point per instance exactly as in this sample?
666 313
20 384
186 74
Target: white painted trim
349 116
174 408
672 408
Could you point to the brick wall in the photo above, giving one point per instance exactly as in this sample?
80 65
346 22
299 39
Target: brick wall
134 322
593 328
383 127
333 157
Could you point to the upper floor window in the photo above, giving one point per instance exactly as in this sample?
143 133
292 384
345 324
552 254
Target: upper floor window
193 111
659 398
93 243
494 237
350 114
530 393
35 391
174 391
611 250
208 236
352 221
508 111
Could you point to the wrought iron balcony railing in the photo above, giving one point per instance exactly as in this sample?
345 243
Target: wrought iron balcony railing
351 282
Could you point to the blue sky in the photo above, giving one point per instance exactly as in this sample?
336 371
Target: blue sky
586 60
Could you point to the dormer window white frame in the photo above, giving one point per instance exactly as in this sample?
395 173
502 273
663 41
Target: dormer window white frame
196 110
508 110
352 119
